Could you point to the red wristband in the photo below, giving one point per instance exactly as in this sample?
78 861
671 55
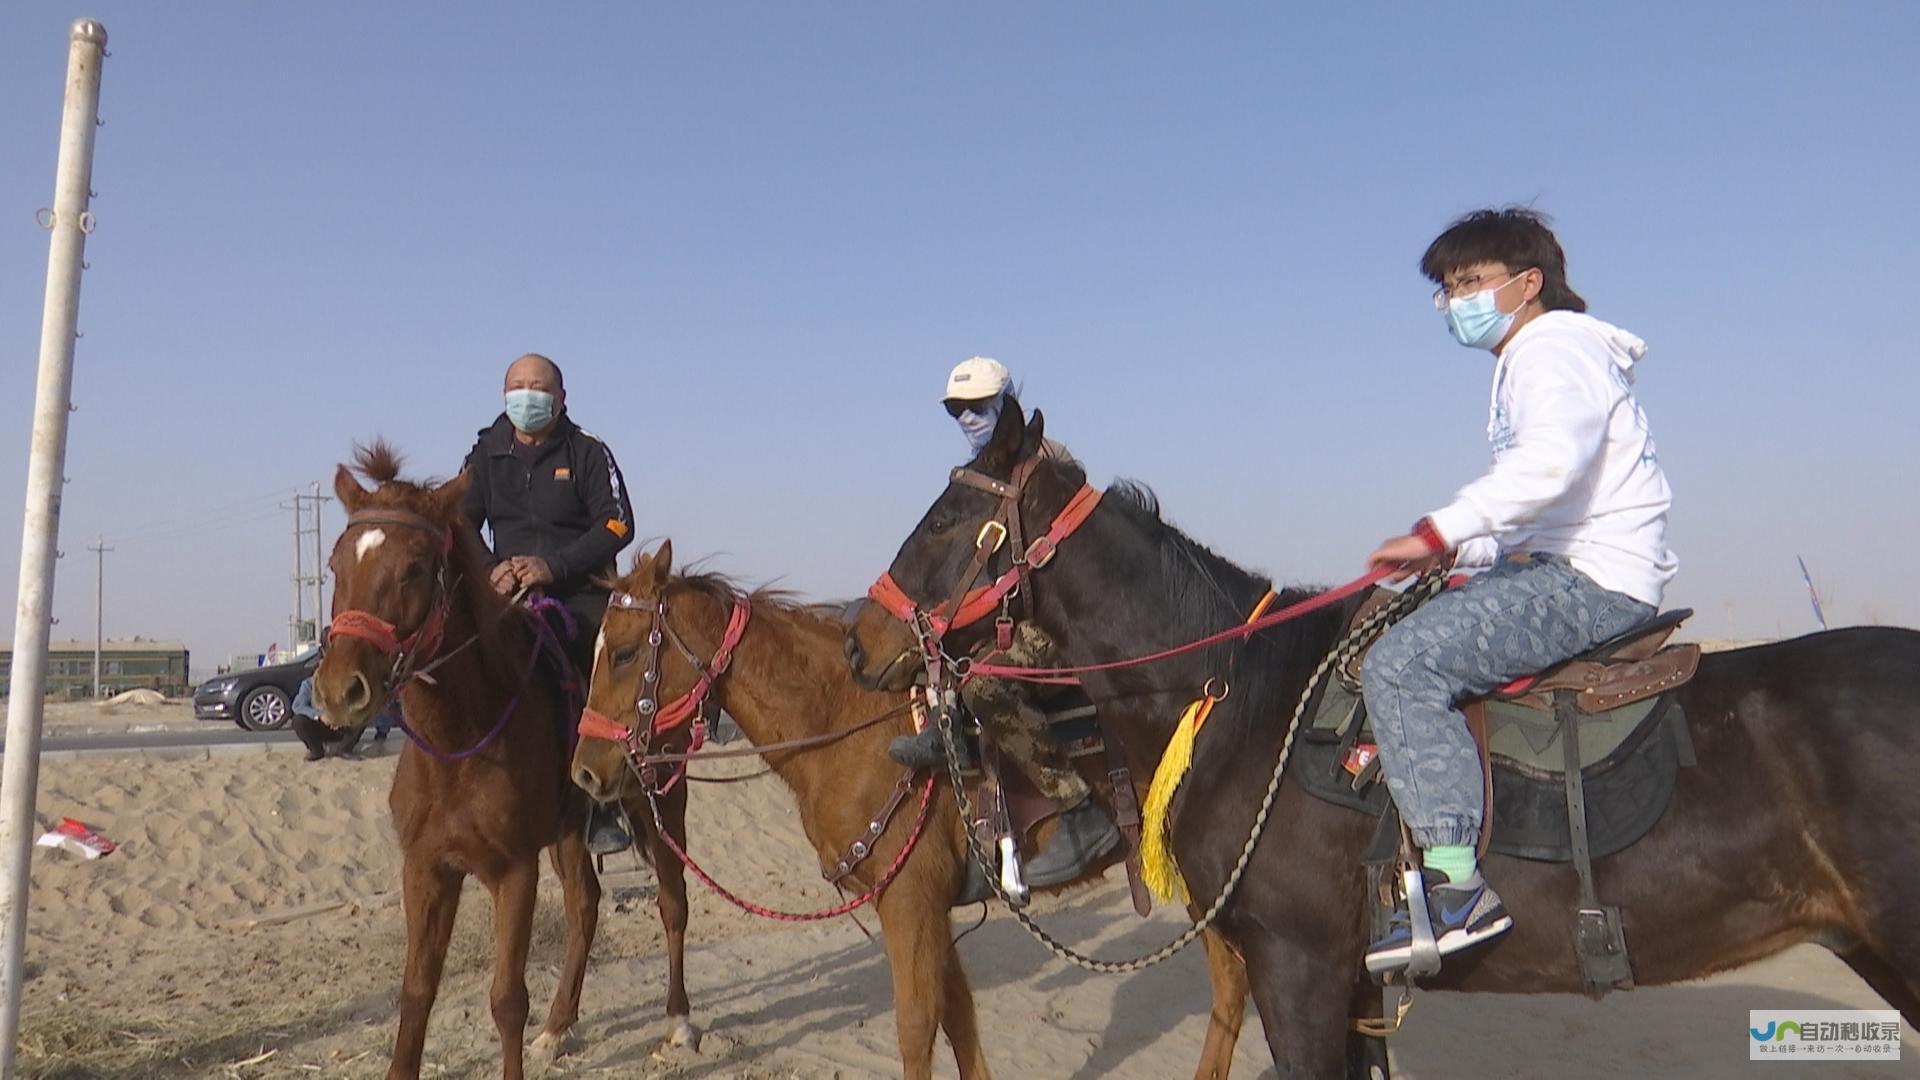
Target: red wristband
1431 536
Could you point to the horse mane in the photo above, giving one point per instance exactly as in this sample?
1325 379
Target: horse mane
724 590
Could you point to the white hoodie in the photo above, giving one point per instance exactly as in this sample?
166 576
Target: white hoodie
1574 471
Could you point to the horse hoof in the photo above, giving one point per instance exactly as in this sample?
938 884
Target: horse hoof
544 1049
682 1033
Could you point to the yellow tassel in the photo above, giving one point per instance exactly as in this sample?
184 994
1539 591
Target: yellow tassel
1157 866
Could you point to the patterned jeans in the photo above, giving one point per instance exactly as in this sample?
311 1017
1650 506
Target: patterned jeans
1529 612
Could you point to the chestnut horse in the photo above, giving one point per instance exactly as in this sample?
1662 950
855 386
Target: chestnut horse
482 785
1799 823
789 680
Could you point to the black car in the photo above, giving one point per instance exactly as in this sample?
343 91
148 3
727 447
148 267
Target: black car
257 700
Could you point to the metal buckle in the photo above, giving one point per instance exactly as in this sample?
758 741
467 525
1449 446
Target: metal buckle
994 528
1041 552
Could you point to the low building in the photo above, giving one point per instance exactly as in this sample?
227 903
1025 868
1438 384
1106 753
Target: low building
125 664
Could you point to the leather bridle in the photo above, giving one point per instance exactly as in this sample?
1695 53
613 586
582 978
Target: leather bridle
410 653
653 720
968 603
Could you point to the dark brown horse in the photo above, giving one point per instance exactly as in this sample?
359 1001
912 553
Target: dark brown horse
482 785
788 680
1799 824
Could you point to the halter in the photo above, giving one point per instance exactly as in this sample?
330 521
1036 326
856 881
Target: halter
420 646
652 719
970 605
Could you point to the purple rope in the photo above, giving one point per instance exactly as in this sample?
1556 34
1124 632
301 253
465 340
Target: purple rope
544 640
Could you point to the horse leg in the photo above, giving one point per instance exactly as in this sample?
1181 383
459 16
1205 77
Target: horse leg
513 899
959 1021
1228 977
671 898
1900 991
918 948
432 896
580 888
1306 1026
1367 1054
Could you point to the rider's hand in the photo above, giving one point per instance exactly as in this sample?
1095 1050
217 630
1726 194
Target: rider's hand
533 570
1414 553
505 577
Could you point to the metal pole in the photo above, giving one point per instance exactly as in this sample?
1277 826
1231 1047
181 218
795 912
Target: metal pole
319 566
40 529
99 550
293 621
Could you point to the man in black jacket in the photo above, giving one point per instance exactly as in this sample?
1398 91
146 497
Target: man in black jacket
553 499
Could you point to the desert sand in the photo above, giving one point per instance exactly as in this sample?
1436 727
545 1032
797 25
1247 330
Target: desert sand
246 928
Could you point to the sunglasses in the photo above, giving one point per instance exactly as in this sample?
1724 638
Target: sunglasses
956 406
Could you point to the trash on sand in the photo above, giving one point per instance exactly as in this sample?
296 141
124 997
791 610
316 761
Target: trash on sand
77 838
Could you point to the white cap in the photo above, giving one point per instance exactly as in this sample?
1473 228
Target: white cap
977 378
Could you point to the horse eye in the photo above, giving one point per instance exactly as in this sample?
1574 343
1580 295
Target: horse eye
623 657
939 525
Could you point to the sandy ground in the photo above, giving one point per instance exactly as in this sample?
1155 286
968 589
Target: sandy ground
151 962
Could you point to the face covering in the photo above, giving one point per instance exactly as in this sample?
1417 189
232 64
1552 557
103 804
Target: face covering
977 425
1475 321
530 410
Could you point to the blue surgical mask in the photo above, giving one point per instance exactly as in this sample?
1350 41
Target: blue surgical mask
530 410
1475 321
978 425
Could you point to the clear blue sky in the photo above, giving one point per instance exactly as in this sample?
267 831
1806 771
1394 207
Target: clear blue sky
756 236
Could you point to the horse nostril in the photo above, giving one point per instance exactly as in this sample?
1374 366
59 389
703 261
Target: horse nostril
852 648
589 783
358 694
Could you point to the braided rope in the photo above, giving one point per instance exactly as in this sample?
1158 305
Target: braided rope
1356 640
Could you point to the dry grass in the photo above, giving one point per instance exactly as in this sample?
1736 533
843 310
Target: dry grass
72 1042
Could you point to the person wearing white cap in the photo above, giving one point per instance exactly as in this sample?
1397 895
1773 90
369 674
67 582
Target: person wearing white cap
976 389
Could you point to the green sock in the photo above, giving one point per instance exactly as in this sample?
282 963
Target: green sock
1457 862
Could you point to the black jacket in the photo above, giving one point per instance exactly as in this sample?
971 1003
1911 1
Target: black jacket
563 500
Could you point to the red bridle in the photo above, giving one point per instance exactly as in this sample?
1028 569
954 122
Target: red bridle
974 604
652 719
420 646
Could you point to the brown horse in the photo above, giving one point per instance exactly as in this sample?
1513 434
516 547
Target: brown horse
482 786
789 680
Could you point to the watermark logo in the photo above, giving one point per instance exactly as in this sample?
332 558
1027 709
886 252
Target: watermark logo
1840 1034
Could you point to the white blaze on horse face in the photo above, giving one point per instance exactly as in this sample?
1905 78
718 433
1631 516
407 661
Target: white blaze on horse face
599 646
369 540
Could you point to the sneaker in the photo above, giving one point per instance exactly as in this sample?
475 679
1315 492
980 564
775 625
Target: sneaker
604 834
1463 914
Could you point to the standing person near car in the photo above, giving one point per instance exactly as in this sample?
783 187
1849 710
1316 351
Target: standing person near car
552 498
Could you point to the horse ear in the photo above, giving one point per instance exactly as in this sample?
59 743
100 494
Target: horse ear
1009 434
448 496
651 570
1036 432
349 491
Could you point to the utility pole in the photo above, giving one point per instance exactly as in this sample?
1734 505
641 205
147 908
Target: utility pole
300 630
319 563
99 550
69 221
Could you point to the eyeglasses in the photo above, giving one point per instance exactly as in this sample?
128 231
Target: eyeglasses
1470 284
956 406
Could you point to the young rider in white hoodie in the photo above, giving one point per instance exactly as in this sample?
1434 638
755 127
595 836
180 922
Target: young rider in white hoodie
1571 521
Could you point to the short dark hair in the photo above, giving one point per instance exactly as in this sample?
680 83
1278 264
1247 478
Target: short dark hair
559 380
1515 237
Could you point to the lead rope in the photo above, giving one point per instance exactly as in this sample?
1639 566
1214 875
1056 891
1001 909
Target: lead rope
1356 640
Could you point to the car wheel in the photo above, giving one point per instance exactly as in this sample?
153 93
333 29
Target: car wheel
265 709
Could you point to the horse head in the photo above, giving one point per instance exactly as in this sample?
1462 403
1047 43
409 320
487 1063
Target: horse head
393 579
941 585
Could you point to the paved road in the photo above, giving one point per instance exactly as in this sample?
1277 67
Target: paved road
121 741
